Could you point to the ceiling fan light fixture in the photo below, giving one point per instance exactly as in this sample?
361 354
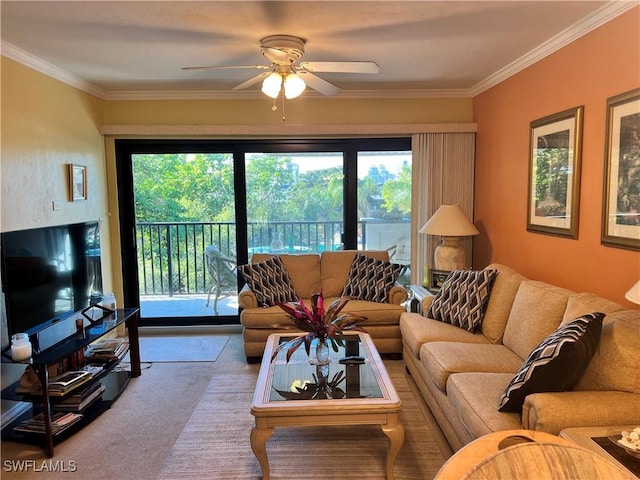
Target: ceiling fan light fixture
293 86
272 84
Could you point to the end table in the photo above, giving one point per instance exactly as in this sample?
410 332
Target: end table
417 293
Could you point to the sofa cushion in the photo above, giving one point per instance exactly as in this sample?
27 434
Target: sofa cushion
581 303
462 299
537 311
418 330
269 281
503 292
376 313
474 395
557 363
616 363
371 279
335 267
441 359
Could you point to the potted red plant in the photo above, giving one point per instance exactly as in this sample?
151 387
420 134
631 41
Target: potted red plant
327 326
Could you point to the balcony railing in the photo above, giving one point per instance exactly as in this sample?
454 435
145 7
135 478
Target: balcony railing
171 256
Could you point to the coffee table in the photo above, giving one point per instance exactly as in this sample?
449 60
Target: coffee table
369 396
596 440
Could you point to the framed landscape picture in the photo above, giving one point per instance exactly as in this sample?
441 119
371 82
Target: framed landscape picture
554 174
621 192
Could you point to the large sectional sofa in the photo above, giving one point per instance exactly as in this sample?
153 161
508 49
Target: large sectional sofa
462 375
326 272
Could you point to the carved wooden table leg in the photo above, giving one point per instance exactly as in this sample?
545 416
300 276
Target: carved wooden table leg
395 432
259 437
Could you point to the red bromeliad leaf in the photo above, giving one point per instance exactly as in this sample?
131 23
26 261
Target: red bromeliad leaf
291 346
308 338
336 306
319 302
291 310
305 310
294 344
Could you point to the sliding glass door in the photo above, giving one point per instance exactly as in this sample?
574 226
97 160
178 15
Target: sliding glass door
294 202
186 234
191 210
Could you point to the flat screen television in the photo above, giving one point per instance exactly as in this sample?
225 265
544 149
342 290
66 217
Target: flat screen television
49 273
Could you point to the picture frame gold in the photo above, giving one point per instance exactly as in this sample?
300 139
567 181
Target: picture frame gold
621 190
77 182
555 159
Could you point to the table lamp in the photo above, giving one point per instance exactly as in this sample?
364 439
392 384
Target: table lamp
633 295
450 222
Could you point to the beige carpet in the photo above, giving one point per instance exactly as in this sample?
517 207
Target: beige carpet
215 442
184 348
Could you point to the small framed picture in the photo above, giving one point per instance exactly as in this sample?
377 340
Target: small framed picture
437 278
77 182
621 202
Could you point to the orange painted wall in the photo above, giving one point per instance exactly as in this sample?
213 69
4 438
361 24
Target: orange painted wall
599 65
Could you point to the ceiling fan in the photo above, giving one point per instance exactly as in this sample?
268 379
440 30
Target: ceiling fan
285 70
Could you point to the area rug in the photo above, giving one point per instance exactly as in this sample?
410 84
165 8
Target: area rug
187 348
215 442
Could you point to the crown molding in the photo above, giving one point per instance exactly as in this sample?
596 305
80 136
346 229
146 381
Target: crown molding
25 58
586 25
591 22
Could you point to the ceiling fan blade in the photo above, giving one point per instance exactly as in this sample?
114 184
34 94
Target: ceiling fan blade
226 67
251 81
318 83
341 67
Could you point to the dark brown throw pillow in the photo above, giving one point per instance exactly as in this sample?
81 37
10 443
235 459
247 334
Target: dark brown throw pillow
270 281
463 297
557 363
371 279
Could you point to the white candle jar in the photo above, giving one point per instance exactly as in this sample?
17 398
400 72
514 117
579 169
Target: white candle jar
20 347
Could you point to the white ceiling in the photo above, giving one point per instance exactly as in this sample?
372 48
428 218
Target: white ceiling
135 49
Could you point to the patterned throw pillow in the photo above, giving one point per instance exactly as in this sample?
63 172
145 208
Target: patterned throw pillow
463 297
371 279
270 282
557 363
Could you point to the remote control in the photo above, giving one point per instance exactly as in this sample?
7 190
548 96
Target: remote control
353 359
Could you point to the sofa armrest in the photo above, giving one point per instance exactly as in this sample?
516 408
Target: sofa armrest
247 299
397 295
552 412
426 303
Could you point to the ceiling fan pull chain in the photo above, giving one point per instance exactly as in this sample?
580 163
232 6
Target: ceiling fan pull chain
283 112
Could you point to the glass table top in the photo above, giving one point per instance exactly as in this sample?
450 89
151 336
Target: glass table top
300 380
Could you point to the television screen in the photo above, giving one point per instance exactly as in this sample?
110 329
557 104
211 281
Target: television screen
48 273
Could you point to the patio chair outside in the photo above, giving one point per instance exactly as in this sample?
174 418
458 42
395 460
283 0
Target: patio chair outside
223 272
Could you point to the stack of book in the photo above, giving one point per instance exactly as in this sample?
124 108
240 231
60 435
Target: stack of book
107 349
63 384
60 421
81 399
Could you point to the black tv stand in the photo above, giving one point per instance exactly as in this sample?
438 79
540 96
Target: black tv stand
41 361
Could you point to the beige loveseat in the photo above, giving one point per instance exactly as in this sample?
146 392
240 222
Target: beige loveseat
462 375
326 272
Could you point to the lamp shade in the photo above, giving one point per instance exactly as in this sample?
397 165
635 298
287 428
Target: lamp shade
449 221
271 85
633 295
293 86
